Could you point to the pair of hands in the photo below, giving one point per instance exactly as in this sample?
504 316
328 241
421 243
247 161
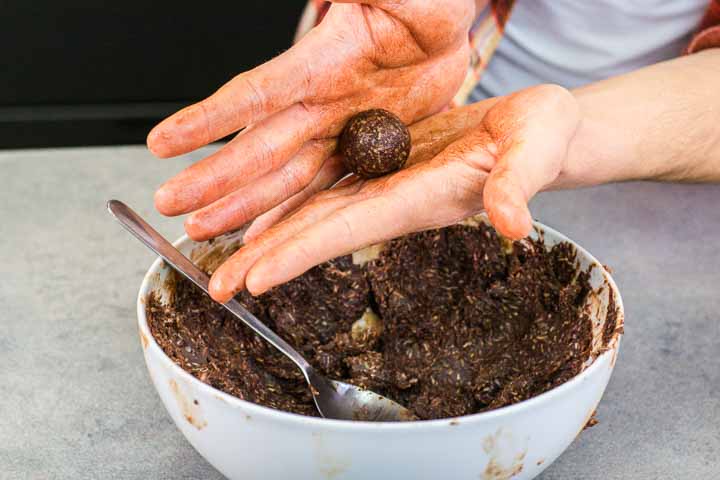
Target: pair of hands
401 56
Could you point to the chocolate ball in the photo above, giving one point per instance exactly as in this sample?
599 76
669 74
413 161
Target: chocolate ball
374 143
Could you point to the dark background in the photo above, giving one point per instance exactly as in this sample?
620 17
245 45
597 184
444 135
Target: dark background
94 73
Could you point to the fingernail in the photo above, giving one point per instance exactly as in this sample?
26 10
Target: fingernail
157 142
511 220
164 200
217 289
195 229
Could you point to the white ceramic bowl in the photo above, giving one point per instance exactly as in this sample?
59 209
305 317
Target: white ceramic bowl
248 441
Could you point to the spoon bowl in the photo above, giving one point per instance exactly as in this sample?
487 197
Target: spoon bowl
337 400
345 401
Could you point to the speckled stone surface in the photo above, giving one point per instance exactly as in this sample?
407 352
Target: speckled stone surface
76 401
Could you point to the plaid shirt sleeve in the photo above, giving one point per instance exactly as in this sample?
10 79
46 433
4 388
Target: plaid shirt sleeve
708 35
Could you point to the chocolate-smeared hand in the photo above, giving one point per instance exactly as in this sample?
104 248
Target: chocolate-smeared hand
409 57
493 155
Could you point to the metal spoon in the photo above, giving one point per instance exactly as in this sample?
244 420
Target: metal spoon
333 399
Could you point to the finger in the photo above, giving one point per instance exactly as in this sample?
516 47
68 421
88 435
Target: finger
528 159
411 200
357 215
246 99
506 196
237 208
329 173
250 155
229 278
346 230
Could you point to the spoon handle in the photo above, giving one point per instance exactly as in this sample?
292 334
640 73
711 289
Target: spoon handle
135 224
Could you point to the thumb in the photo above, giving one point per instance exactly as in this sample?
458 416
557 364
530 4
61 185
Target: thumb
536 126
505 196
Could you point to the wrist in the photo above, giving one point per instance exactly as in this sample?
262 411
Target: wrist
657 123
602 149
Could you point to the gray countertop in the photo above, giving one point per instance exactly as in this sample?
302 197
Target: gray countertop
76 401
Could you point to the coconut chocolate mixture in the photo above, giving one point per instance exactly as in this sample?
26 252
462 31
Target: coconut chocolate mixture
447 322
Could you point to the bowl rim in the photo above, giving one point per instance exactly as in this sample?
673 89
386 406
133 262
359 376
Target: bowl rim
153 349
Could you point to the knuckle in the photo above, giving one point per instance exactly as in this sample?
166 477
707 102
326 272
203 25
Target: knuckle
203 110
558 98
253 94
551 90
346 225
265 151
216 182
303 250
306 77
546 97
291 181
243 212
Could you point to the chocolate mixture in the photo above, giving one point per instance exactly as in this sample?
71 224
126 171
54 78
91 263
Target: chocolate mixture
446 322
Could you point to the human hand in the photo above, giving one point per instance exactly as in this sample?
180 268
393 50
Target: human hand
493 155
409 57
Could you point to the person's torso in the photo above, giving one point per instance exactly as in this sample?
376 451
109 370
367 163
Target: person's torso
574 42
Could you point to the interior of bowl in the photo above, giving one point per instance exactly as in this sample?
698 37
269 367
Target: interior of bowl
603 304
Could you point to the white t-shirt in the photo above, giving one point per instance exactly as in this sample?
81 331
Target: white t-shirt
574 42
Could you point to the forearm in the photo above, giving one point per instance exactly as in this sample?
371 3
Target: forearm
661 123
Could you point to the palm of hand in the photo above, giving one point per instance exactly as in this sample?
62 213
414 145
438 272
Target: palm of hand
395 55
493 155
